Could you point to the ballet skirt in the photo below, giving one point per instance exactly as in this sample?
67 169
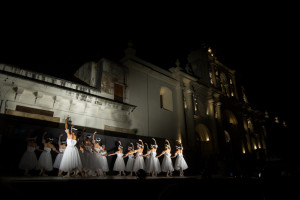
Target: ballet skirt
119 164
129 164
89 158
147 161
97 158
45 160
82 158
58 158
167 164
104 162
180 162
28 160
139 162
154 164
71 157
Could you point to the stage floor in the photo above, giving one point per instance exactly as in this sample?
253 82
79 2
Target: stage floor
160 187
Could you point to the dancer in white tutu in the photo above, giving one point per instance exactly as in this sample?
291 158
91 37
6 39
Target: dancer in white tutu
154 165
130 161
119 164
82 158
147 155
104 163
139 162
180 163
97 155
167 165
61 147
45 160
29 160
89 157
71 158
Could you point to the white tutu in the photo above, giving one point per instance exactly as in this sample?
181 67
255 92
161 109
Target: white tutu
180 162
119 164
154 165
82 158
29 159
45 160
58 158
97 159
104 162
139 163
89 158
147 161
71 158
167 164
129 164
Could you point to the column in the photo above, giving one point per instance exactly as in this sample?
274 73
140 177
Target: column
189 117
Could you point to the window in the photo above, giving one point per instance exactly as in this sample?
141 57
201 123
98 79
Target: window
166 99
227 136
118 92
203 132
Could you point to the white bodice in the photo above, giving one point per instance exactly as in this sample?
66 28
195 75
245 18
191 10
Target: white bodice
30 148
71 143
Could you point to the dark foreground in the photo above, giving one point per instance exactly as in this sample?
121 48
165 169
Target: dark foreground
124 187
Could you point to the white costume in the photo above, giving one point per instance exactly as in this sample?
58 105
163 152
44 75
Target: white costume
139 162
154 165
29 160
147 161
71 158
129 164
180 162
45 160
89 159
104 162
119 164
58 158
167 164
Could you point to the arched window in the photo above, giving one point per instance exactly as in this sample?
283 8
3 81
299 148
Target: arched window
227 137
250 125
229 117
203 132
166 100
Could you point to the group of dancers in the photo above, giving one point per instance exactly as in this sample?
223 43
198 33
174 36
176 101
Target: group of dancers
84 157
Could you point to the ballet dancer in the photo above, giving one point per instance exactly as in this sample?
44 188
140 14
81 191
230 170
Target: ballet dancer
119 164
167 165
45 160
103 160
139 162
97 155
61 147
89 157
29 159
71 158
180 163
130 161
154 164
147 155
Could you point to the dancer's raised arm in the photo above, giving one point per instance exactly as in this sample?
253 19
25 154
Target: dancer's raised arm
94 136
66 123
141 142
168 142
154 141
59 144
147 146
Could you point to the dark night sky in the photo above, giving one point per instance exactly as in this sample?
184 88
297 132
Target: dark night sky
257 43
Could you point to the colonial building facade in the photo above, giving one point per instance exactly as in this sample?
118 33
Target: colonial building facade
202 104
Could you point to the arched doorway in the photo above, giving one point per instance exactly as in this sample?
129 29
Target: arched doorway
203 138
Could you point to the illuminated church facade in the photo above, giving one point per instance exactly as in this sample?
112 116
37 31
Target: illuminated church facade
201 104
